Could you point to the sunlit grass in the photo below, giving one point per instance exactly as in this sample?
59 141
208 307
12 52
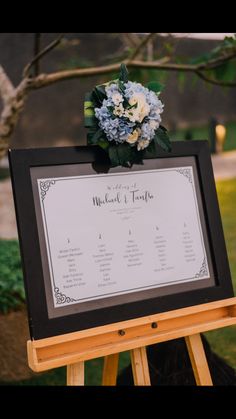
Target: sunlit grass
223 341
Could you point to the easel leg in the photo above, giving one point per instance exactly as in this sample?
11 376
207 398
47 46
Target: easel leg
140 369
110 370
198 360
75 374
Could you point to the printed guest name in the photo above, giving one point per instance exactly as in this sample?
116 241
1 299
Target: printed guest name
125 198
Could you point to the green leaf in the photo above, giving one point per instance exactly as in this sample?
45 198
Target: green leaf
120 155
203 58
125 155
99 94
88 97
113 155
162 139
121 86
90 121
226 72
12 294
155 86
151 148
123 73
163 128
89 114
103 143
169 47
98 134
132 106
228 45
90 136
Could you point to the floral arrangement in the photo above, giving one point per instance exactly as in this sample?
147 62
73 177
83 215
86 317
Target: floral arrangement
124 119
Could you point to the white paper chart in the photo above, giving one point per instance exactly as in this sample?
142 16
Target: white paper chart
119 233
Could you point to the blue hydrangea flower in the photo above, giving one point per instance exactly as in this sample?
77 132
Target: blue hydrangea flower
111 89
117 122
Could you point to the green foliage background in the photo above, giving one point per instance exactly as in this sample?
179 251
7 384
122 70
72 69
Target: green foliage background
12 294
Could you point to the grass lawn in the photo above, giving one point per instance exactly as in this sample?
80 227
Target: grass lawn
223 341
202 133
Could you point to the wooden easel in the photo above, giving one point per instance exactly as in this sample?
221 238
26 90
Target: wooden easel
73 349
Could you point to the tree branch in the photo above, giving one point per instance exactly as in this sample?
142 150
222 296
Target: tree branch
150 50
13 104
47 79
38 57
132 39
7 89
216 62
213 81
37 47
14 98
141 46
44 80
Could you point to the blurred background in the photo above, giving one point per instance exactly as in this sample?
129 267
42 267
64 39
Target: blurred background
199 104
54 115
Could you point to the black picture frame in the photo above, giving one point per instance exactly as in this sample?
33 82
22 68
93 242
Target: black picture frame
41 326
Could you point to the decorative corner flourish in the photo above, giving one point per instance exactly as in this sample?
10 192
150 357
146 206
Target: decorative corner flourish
62 298
187 173
203 270
44 187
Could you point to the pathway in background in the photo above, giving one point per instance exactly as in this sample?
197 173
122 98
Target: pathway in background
8 228
224 166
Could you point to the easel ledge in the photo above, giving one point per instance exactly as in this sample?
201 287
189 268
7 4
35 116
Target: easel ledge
77 347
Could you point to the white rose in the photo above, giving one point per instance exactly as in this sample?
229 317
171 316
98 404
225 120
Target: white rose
142 108
142 144
132 138
117 98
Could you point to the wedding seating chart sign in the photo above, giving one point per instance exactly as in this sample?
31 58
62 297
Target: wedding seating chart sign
100 246
120 233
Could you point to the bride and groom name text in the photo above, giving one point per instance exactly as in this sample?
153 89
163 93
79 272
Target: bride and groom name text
122 198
